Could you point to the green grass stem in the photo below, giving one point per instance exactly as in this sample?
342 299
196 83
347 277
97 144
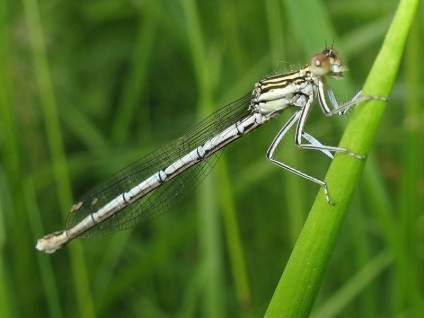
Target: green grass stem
299 285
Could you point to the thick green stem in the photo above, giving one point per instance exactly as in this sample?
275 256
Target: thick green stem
302 278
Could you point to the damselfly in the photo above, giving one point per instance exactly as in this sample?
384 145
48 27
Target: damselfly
157 181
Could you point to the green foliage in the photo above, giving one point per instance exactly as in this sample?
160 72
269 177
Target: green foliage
309 260
87 87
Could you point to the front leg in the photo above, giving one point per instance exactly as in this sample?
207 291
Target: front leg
340 109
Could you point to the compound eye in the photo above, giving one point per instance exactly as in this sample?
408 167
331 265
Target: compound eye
319 64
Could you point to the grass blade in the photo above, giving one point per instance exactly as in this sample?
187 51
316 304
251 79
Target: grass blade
302 278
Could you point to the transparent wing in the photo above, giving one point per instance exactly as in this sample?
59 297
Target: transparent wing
170 193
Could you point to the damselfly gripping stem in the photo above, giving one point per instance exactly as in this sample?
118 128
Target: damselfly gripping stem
157 181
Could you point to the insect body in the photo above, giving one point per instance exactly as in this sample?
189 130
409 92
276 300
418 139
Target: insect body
157 181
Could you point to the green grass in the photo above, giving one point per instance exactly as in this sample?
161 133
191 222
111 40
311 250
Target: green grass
88 87
309 260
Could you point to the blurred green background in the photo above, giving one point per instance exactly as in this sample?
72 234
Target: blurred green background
88 87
